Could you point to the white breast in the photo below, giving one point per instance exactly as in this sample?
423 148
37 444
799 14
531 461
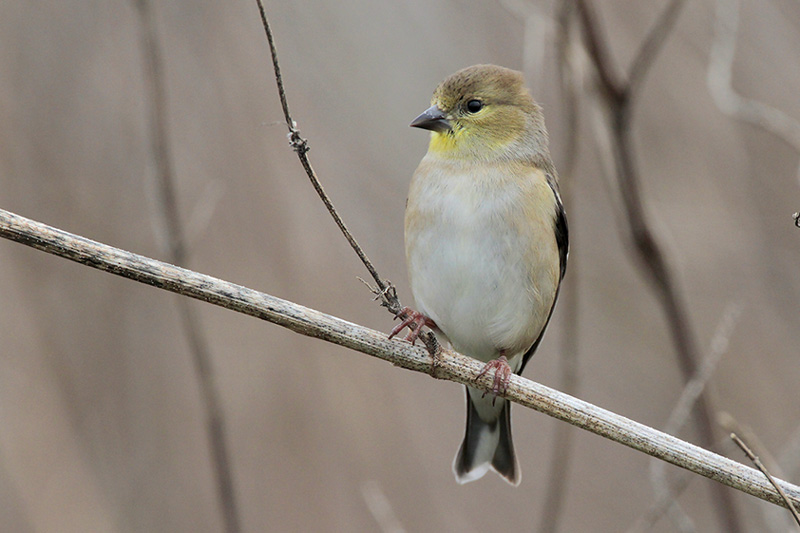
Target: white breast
482 257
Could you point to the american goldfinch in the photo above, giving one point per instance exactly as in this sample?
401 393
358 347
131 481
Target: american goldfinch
486 244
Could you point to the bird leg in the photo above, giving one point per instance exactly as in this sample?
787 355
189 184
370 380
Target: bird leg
502 375
414 321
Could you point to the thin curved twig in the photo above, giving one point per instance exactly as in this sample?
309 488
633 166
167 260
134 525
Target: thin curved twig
300 145
384 290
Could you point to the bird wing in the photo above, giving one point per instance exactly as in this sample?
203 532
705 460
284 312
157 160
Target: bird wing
562 240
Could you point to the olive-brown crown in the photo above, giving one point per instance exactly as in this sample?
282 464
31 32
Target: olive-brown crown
490 84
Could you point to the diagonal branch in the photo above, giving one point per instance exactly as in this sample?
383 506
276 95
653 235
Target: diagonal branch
451 365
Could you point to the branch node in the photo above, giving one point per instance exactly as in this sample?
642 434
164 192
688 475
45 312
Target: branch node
387 295
298 144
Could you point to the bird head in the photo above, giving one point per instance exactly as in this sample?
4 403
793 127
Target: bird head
484 113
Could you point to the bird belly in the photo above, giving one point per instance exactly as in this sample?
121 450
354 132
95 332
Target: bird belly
483 265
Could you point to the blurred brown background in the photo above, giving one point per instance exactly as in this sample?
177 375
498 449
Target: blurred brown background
101 420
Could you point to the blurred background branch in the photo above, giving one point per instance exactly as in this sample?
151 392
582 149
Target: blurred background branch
173 240
667 492
619 95
720 82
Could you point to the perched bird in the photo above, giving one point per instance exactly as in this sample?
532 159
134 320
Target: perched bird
486 244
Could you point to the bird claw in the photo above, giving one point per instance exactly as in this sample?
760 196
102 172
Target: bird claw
502 376
414 321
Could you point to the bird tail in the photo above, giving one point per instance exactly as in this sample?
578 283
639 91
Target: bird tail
487 444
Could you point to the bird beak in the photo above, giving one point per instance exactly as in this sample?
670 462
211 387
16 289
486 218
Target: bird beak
433 119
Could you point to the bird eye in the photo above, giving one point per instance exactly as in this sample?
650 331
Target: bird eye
473 106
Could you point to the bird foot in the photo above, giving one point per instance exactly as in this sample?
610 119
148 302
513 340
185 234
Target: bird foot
414 321
502 375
